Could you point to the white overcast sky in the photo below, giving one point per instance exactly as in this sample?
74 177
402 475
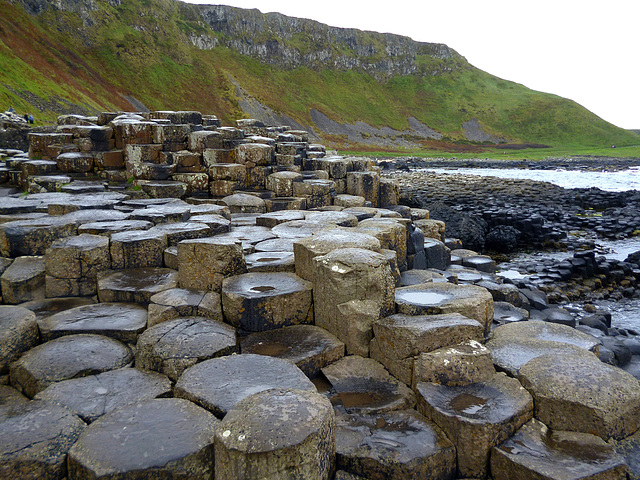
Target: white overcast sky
586 50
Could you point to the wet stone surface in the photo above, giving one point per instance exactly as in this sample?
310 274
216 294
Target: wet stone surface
303 447
92 396
255 302
35 438
182 302
122 321
218 384
171 347
171 437
136 285
309 347
65 358
580 393
18 333
270 262
393 445
535 451
476 417
362 385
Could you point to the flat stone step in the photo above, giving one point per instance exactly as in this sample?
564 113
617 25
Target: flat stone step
513 345
303 447
18 334
168 436
65 358
535 451
182 302
217 223
109 227
35 439
136 285
438 298
164 189
393 445
23 279
220 383
270 262
171 347
311 348
95 395
476 417
33 237
362 385
121 321
399 339
254 302
582 394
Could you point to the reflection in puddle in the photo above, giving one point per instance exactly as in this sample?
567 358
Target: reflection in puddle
467 403
262 289
422 298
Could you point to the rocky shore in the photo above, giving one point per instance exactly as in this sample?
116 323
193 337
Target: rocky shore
186 300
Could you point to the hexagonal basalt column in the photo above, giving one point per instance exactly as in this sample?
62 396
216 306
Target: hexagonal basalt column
36 437
173 346
204 263
309 347
218 384
476 417
165 438
181 302
537 452
399 339
353 288
582 394
434 298
306 249
304 446
137 249
393 445
281 183
364 184
67 357
136 285
72 265
18 333
254 302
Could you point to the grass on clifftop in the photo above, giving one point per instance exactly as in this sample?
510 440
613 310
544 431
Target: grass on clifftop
141 48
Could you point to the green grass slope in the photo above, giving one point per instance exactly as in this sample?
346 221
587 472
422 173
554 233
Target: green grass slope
91 59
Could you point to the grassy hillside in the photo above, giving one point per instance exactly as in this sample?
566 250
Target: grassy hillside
89 60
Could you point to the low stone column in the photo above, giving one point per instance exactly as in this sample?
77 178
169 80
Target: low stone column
204 262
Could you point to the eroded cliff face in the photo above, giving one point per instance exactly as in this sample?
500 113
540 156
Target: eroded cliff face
290 42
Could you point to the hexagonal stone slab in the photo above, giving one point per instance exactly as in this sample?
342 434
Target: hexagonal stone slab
393 445
170 437
182 302
122 321
399 338
173 346
93 396
135 285
476 417
582 394
255 302
270 262
35 438
109 227
33 237
537 452
362 385
22 280
18 333
65 358
434 298
513 345
218 384
309 347
277 433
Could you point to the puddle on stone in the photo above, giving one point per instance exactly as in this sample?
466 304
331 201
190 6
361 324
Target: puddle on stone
268 259
359 399
422 298
262 289
468 404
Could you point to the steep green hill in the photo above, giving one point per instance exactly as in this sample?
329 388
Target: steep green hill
350 88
